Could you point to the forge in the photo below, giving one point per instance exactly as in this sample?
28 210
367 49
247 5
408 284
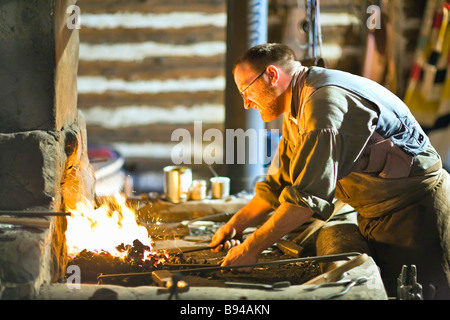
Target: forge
146 272
133 249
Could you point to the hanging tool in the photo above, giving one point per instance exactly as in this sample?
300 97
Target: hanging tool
295 247
311 26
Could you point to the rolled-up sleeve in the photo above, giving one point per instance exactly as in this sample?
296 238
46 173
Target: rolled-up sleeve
323 151
314 172
278 175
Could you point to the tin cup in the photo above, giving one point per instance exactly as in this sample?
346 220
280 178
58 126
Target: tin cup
220 187
197 191
177 180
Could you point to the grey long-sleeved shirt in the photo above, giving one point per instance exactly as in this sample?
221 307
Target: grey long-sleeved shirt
322 143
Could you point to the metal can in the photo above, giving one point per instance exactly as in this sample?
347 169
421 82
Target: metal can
177 180
197 190
220 187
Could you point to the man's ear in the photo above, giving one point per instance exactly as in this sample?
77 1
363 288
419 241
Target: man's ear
274 74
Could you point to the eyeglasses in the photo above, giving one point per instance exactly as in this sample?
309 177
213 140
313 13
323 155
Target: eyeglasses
243 90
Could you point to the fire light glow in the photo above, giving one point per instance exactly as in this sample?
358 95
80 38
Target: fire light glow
104 228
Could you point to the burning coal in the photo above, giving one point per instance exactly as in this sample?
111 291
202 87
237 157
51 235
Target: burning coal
105 237
104 227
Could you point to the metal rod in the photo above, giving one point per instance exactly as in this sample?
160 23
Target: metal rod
327 258
95 160
26 222
186 265
197 249
213 217
32 213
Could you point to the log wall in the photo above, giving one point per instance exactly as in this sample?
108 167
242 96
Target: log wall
148 67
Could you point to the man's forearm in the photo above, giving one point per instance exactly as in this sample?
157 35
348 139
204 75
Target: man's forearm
284 220
250 214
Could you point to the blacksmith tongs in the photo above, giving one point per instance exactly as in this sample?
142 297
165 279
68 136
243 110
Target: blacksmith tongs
348 283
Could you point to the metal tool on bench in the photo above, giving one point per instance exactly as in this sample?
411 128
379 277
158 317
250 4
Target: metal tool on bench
327 258
339 283
337 273
333 277
244 285
217 217
350 284
407 286
170 283
174 288
202 248
26 222
295 247
33 214
27 218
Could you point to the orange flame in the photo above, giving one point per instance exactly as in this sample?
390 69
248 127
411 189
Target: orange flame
104 228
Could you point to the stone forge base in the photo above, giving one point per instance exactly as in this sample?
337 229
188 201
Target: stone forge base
28 258
371 290
41 171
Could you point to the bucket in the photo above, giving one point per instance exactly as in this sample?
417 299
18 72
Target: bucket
177 180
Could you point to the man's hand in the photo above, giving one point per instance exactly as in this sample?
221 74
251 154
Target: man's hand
225 238
231 233
285 219
239 255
